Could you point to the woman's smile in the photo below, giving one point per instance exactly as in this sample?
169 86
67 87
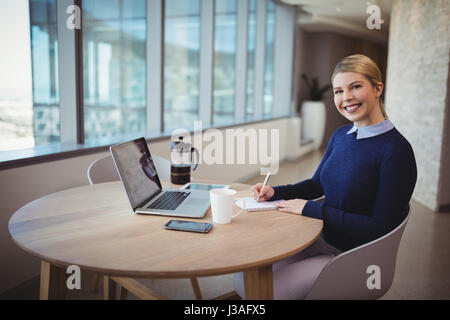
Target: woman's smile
353 107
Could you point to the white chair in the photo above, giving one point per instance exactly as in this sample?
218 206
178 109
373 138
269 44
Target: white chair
354 274
104 170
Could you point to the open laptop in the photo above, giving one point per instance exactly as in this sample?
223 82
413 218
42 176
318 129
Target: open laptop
143 187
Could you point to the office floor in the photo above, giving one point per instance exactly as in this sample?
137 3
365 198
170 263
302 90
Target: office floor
423 260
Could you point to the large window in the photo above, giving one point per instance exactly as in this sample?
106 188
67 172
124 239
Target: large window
29 99
181 63
44 58
114 57
138 68
268 75
251 43
224 62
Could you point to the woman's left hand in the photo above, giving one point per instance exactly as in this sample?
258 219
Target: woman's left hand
294 206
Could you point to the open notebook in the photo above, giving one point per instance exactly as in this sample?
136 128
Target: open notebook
253 205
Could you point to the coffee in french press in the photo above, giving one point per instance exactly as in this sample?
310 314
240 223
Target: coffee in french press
181 161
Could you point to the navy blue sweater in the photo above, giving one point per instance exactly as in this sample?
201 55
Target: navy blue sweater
367 184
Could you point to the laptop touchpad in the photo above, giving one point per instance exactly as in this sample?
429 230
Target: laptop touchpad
195 201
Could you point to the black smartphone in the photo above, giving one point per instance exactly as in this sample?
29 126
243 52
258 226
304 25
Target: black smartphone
191 226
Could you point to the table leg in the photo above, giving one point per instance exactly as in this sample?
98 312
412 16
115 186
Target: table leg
109 288
258 283
53 282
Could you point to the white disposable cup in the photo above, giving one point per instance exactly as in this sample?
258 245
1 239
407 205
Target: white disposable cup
222 203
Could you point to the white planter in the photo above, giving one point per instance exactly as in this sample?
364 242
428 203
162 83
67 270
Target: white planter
293 134
313 115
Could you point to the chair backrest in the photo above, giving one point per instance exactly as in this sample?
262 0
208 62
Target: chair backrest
365 272
104 169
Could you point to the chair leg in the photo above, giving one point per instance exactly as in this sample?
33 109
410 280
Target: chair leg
137 289
196 287
232 295
110 289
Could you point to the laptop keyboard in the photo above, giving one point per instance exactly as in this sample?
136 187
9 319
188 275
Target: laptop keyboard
169 200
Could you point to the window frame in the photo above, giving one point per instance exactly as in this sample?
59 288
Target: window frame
71 84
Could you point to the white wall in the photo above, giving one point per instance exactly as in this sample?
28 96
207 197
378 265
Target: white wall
417 89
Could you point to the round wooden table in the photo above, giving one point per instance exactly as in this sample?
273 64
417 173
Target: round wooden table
94 228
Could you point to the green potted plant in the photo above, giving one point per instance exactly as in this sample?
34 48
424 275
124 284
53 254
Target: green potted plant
315 92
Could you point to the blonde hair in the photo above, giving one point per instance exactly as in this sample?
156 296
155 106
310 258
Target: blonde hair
363 65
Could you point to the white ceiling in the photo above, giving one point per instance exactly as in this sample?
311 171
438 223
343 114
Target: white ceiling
342 16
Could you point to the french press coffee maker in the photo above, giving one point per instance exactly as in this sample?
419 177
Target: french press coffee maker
181 161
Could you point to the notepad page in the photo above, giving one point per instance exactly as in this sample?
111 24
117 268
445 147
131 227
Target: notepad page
253 205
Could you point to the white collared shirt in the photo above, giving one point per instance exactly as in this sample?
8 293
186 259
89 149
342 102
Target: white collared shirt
371 131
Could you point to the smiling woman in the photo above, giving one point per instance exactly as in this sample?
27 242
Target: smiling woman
367 175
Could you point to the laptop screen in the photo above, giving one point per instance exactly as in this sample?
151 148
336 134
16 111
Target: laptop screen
136 170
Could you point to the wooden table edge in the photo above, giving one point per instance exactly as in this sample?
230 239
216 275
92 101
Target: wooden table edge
261 287
166 274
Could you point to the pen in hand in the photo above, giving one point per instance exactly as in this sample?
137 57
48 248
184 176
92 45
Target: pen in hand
264 184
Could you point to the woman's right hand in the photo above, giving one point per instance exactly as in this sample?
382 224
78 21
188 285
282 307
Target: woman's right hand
262 194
